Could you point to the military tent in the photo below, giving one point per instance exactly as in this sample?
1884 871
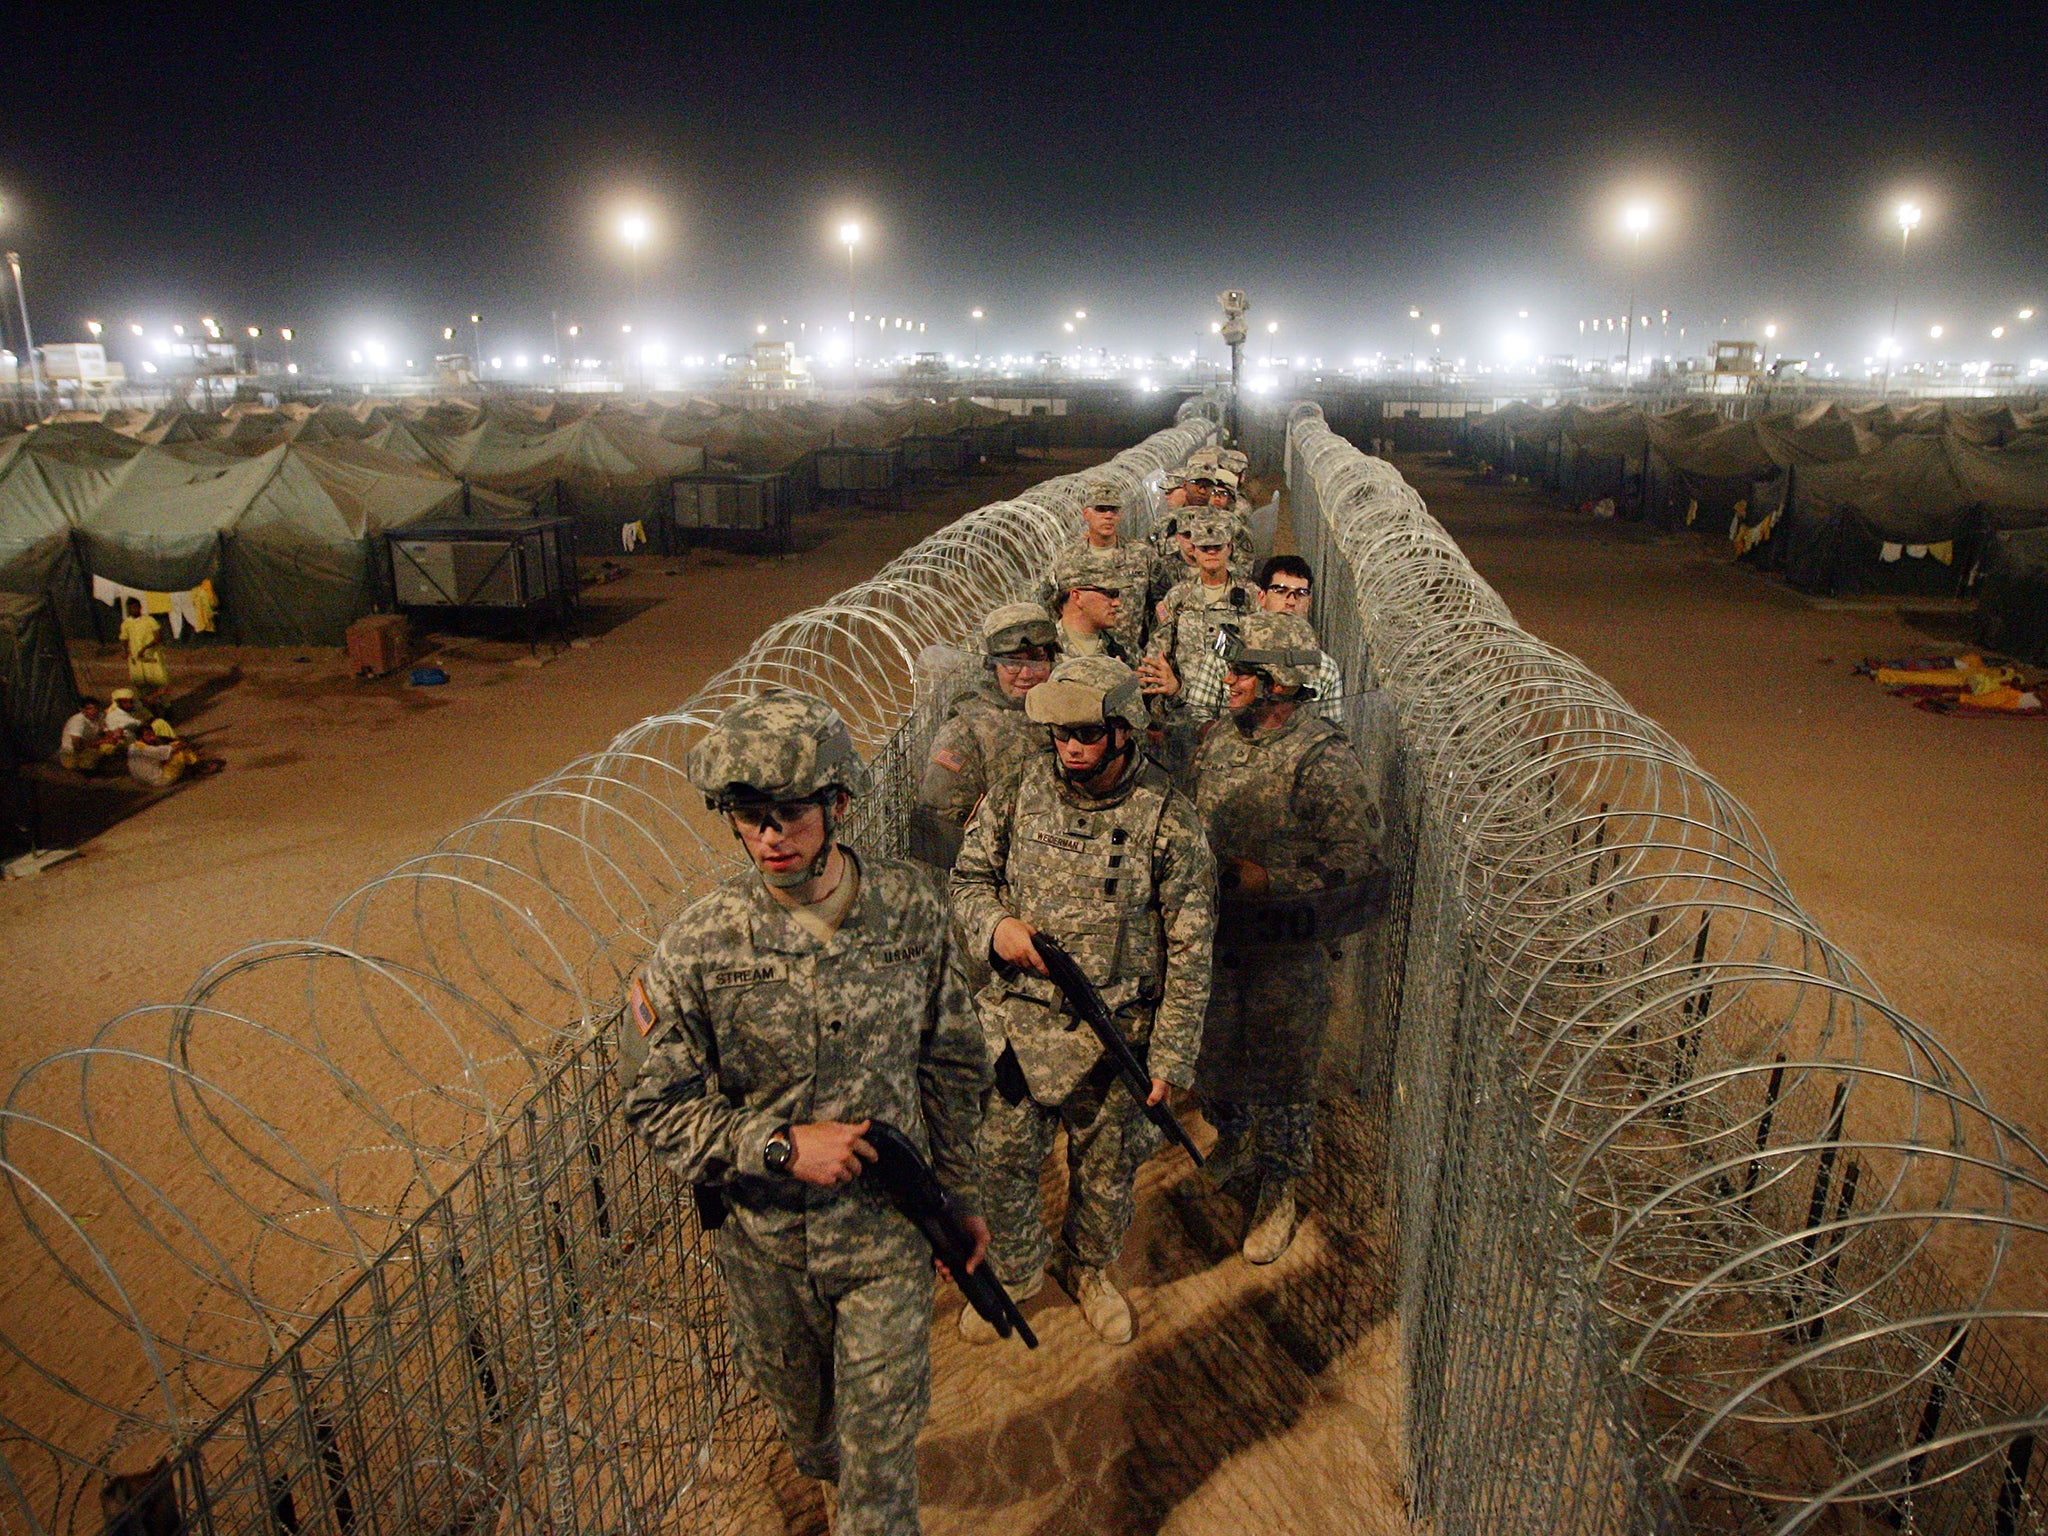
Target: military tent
2012 594
603 471
1909 517
38 691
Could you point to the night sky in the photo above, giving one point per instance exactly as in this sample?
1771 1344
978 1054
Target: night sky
354 173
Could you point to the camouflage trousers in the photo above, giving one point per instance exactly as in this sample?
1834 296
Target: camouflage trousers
1281 1136
846 1366
1108 1138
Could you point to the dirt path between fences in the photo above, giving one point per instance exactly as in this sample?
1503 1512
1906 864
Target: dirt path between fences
1918 842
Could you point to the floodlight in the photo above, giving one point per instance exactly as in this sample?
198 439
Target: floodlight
633 229
849 234
1909 216
135 330
1637 218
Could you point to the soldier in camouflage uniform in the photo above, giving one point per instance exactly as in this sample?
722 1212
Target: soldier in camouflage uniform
1182 669
1089 600
1288 810
807 993
985 729
1134 564
1090 844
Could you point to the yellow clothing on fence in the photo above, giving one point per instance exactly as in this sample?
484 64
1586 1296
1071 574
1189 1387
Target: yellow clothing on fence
156 602
204 604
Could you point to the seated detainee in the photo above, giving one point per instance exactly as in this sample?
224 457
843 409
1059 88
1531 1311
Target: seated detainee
86 741
158 758
124 714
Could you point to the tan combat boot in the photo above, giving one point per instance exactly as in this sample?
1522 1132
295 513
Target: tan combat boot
976 1329
1103 1305
1273 1224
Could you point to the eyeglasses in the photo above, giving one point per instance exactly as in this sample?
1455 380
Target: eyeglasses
782 815
1281 589
1210 549
1099 507
1087 735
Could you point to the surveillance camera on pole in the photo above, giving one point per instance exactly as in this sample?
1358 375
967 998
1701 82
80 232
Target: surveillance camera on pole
1235 307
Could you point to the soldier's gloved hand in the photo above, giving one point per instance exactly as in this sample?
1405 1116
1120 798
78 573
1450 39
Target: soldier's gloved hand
1012 944
978 1230
1244 875
829 1152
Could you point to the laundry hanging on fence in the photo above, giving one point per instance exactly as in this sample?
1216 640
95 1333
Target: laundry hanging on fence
195 606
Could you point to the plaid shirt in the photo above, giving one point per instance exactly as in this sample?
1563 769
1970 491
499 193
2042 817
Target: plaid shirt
1189 628
1329 686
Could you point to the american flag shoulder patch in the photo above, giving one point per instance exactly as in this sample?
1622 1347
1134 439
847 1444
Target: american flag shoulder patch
642 1010
946 757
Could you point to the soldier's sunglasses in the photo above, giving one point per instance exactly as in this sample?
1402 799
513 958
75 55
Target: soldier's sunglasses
1087 735
759 815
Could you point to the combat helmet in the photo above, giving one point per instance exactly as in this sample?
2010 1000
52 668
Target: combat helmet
1280 647
1206 526
1009 628
1078 565
778 745
1088 690
1103 493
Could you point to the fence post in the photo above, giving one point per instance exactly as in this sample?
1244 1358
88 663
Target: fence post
538 1287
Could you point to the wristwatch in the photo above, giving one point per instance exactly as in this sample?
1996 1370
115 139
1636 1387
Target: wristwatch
779 1153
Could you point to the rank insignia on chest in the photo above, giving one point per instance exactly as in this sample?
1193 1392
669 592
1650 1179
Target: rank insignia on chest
746 975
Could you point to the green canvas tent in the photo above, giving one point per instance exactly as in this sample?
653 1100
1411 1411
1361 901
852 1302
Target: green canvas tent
38 691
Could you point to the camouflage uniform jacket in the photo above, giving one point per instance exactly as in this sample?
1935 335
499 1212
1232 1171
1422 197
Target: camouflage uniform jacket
1293 799
984 734
1124 883
752 1024
1186 636
1137 566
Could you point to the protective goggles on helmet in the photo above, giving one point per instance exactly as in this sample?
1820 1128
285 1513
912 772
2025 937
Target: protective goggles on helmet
1229 644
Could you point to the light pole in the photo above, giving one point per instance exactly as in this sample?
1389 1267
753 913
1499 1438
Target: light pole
1909 220
28 337
1272 330
284 334
1636 220
849 236
633 229
975 315
476 341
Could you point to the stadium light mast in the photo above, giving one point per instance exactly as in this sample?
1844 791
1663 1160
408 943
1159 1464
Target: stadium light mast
975 314
1909 220
634 229
849 236
1636 220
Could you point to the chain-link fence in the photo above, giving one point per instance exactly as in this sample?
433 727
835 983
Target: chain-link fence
1695 1231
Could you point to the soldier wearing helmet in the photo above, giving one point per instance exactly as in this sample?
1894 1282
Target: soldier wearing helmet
1089 599
985 728
1182 668
811 992
1296 831
1089 843
1130 565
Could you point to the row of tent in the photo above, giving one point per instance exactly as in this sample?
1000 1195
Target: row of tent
748 439
286 511
1838 499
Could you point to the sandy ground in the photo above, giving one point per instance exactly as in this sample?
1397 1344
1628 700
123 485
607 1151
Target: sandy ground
1918 842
